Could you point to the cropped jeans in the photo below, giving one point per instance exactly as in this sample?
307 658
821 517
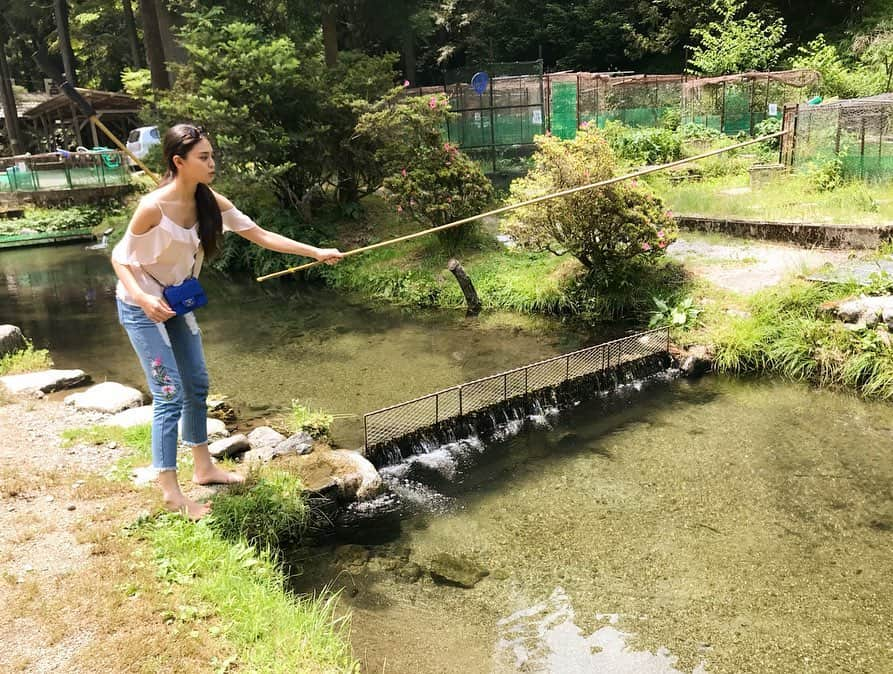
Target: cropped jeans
173 360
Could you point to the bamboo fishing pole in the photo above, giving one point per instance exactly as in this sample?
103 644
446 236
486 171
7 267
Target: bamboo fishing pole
529 202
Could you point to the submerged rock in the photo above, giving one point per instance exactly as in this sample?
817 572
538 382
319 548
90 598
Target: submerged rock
220 409
108 397
351 555
46 381
448 569
11 340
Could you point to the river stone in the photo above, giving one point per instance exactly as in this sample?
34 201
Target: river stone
219 409
108 397
697 361
264 436
230 446
867 310
216 428
448 569
351 555
11 340
135 416
299 443
354 476
46 381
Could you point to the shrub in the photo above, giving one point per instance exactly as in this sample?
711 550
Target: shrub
28 359
428 179
314 422
605 228
643 145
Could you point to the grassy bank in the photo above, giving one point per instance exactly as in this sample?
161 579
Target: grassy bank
793 198
167 594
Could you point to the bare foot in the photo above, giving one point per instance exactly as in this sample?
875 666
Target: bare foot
215 475
192 509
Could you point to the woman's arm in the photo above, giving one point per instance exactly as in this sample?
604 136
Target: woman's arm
279 243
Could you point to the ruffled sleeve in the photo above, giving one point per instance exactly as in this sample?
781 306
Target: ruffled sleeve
138 250
235 220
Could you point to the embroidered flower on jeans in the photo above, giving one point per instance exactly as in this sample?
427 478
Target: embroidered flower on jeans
160 376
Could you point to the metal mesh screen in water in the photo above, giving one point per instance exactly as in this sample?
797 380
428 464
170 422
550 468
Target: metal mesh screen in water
397 421
858 133
54 172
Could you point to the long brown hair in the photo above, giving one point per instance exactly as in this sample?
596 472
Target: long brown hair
178 142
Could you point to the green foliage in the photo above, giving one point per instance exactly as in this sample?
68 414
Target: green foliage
266 511
53 220
315 422
427 179
693 131
837 77
274 109
272 629
828 175
605 228
28 359
879 283
734 45
136 439
671 119
643 145
679 315
767 127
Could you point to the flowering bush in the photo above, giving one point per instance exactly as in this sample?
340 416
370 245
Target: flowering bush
605 228
428 180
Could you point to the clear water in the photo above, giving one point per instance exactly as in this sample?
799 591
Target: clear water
267 344
716 526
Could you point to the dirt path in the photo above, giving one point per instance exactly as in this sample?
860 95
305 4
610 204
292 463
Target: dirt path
745 266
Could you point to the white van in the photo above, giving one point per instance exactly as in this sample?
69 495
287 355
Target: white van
141 140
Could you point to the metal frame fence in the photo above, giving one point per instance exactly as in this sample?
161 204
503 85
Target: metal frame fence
396 421
33 173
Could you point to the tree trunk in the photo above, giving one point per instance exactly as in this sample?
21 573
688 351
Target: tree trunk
330 32
173 52
154 45
7 98
132 37
61 11
409 58
471 296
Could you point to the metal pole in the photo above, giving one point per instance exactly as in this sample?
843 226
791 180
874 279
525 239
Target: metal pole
492 127
436 409
460 401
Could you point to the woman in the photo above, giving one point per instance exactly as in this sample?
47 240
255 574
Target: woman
173 230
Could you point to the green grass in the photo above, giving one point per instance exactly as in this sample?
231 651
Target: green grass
28 359
786 335
272 630
792 198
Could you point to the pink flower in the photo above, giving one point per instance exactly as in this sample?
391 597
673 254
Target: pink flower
646 246
156 362
661 234
405 83
661 244
432 102
399 209
449 200
669 214
403 173
167 389
584 125
635 183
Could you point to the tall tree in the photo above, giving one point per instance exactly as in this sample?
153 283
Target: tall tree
154 45
64 34
7 97
330 32
132 38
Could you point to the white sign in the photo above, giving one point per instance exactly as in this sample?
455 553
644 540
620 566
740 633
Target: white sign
536 117
773 109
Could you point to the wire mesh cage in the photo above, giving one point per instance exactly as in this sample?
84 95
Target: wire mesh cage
856 133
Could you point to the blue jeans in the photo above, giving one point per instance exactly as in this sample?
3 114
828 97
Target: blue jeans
174 363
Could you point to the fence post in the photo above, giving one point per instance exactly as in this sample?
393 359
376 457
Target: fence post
862 153
460 401
436 409
366 431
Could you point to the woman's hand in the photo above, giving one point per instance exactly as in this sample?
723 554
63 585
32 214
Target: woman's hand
155 308
328 255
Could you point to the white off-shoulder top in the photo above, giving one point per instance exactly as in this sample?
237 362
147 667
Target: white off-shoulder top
168 252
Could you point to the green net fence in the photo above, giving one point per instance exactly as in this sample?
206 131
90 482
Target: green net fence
858 134
33 173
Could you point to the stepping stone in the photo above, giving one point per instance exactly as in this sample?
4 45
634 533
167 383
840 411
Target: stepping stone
299 443
235 444
108 397
46 381
139 416
11 340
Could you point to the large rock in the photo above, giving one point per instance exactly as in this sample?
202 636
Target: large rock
235 444
867 311
138 416
299 443
347 472
11 340
264 437
108 397
448 569
696 361
37 383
